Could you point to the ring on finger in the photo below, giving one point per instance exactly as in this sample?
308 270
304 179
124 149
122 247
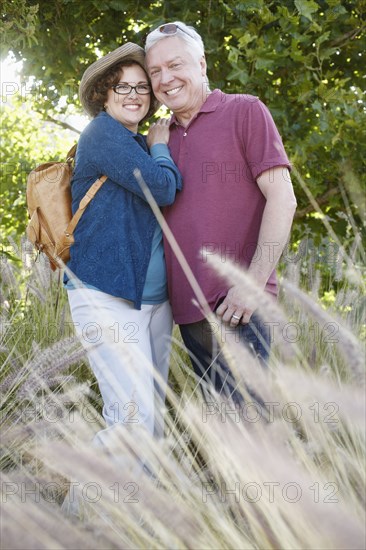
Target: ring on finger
235 317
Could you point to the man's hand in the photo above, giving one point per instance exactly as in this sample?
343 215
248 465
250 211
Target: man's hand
234 309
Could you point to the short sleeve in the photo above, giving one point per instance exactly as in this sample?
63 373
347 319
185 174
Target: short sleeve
263 145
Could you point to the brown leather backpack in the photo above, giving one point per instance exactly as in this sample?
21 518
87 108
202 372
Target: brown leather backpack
52 224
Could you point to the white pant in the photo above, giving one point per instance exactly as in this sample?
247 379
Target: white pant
128 351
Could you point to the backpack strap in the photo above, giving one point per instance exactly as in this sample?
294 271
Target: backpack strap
71 154
83 204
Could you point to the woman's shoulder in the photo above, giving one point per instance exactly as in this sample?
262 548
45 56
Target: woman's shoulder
101 120
104 125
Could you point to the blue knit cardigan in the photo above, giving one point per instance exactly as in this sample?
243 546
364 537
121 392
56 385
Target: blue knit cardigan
113 238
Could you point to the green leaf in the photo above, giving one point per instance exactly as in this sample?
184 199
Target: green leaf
238 73
322 38
233 55
245 39
264 63
306 8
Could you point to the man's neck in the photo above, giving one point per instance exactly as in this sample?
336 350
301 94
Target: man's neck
185 117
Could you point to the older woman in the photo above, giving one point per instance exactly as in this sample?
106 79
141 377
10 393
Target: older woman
116 278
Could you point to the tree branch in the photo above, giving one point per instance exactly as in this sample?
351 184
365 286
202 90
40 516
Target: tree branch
62 124
323 199
342 40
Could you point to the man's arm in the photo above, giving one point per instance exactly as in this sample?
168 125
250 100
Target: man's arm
278 214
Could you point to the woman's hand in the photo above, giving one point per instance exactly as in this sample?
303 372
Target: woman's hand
158 132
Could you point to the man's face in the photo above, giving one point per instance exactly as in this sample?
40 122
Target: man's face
178 75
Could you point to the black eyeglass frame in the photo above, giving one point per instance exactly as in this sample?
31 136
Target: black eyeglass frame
114 88
176 27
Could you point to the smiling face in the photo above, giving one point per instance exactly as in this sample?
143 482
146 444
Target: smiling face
178 76
129 109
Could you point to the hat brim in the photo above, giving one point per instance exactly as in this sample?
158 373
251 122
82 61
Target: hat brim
96 70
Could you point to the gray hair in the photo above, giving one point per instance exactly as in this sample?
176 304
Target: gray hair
190 36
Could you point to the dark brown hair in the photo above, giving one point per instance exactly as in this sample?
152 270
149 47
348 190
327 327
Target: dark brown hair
97 95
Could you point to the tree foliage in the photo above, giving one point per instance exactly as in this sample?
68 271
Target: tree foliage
303 58
18 21
27 140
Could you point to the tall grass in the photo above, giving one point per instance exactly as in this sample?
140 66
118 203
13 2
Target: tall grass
289 474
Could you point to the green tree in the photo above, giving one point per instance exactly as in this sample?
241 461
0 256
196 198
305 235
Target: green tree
18 21
303 58
27 140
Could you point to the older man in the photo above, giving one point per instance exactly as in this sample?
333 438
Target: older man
237 199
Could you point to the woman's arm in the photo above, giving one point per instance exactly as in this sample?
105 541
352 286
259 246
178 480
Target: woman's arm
113 150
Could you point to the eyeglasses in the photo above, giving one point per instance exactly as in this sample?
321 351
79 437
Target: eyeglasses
125 89
172 28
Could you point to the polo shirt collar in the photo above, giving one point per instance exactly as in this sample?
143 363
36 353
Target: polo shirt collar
210 105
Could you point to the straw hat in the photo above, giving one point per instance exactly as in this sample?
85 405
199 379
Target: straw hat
96 70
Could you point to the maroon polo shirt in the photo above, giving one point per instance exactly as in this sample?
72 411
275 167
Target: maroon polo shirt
220 154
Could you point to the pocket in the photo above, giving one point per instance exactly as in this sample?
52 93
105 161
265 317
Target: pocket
39 237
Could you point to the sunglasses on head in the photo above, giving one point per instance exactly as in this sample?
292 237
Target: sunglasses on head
172 28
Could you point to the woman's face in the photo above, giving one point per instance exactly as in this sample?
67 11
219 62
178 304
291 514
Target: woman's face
129 109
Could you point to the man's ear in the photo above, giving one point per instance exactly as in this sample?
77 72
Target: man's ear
203 66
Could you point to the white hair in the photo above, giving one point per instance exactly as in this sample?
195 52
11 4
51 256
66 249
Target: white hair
190 36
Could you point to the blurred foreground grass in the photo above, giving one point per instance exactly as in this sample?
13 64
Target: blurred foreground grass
290 475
